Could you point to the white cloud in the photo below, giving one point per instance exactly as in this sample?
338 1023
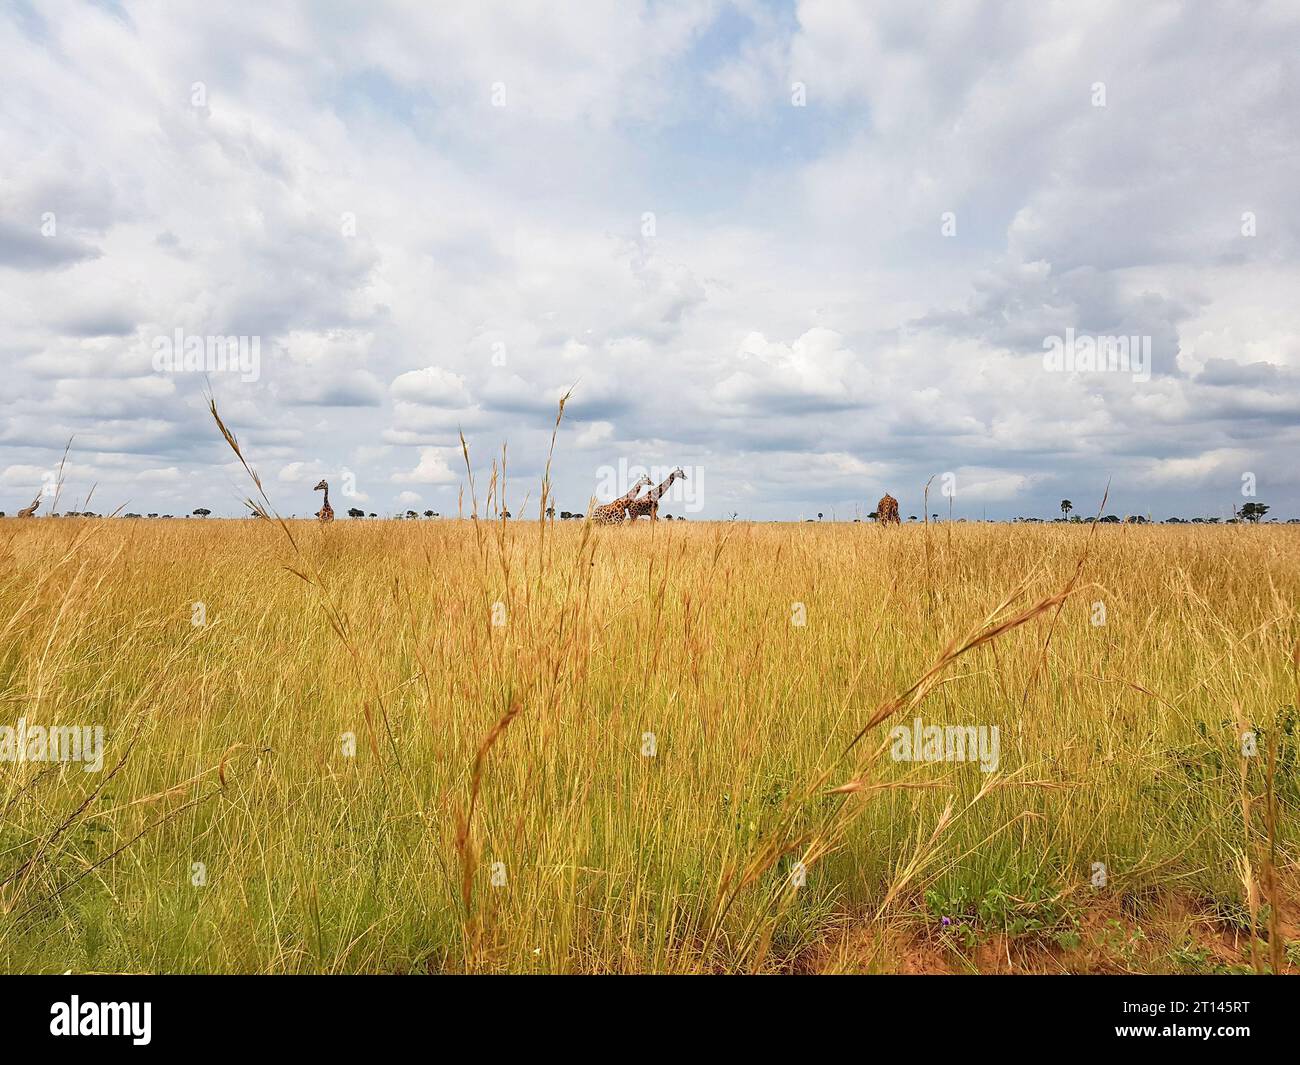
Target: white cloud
593 434
1221 464
432 385
417 262
432 468
166 475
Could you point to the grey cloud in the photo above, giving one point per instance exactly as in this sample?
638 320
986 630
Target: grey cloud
24 248
103 323
349 388
1225 373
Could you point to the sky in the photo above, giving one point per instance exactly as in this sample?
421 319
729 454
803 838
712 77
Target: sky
808 252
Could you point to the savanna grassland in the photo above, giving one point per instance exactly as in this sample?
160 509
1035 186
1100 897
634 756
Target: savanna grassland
233 829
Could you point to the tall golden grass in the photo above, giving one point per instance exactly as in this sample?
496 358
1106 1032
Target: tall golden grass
500 812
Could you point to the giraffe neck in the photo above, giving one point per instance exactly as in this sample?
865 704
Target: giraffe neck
627 497
327 498
656 493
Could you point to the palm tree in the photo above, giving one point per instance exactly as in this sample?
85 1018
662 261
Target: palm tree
1066 507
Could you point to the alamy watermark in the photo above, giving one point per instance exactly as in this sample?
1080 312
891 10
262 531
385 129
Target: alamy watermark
920 742
686 488
1084 353
181 353
130 1019
55 743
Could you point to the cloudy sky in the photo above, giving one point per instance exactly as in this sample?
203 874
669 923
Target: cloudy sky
808 251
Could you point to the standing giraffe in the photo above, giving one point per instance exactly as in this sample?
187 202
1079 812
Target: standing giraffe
887 510
649 503
27 512
614 513
326 512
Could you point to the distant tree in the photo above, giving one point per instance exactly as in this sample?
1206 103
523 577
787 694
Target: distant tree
565 515
911 517
1111 518
372 514
934 517
550 512
1252 512
1066 507
201 512
819 515
428 514
153 515
355 512
873 516
412 514
505 513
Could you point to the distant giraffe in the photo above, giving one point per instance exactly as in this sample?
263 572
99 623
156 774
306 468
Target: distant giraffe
887 510
326 512
649 503
614 513
27 512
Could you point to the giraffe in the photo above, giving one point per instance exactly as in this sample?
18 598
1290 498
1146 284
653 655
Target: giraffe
326 512
27 512
614 513
649 503
887 510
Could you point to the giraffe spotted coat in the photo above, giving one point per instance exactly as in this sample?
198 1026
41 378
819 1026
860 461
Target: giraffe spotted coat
887 510
648 504
615 513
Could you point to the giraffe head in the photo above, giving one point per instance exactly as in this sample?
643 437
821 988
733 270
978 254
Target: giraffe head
643 482
322 487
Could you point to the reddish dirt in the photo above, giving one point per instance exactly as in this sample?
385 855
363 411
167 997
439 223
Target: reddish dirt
1164 933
